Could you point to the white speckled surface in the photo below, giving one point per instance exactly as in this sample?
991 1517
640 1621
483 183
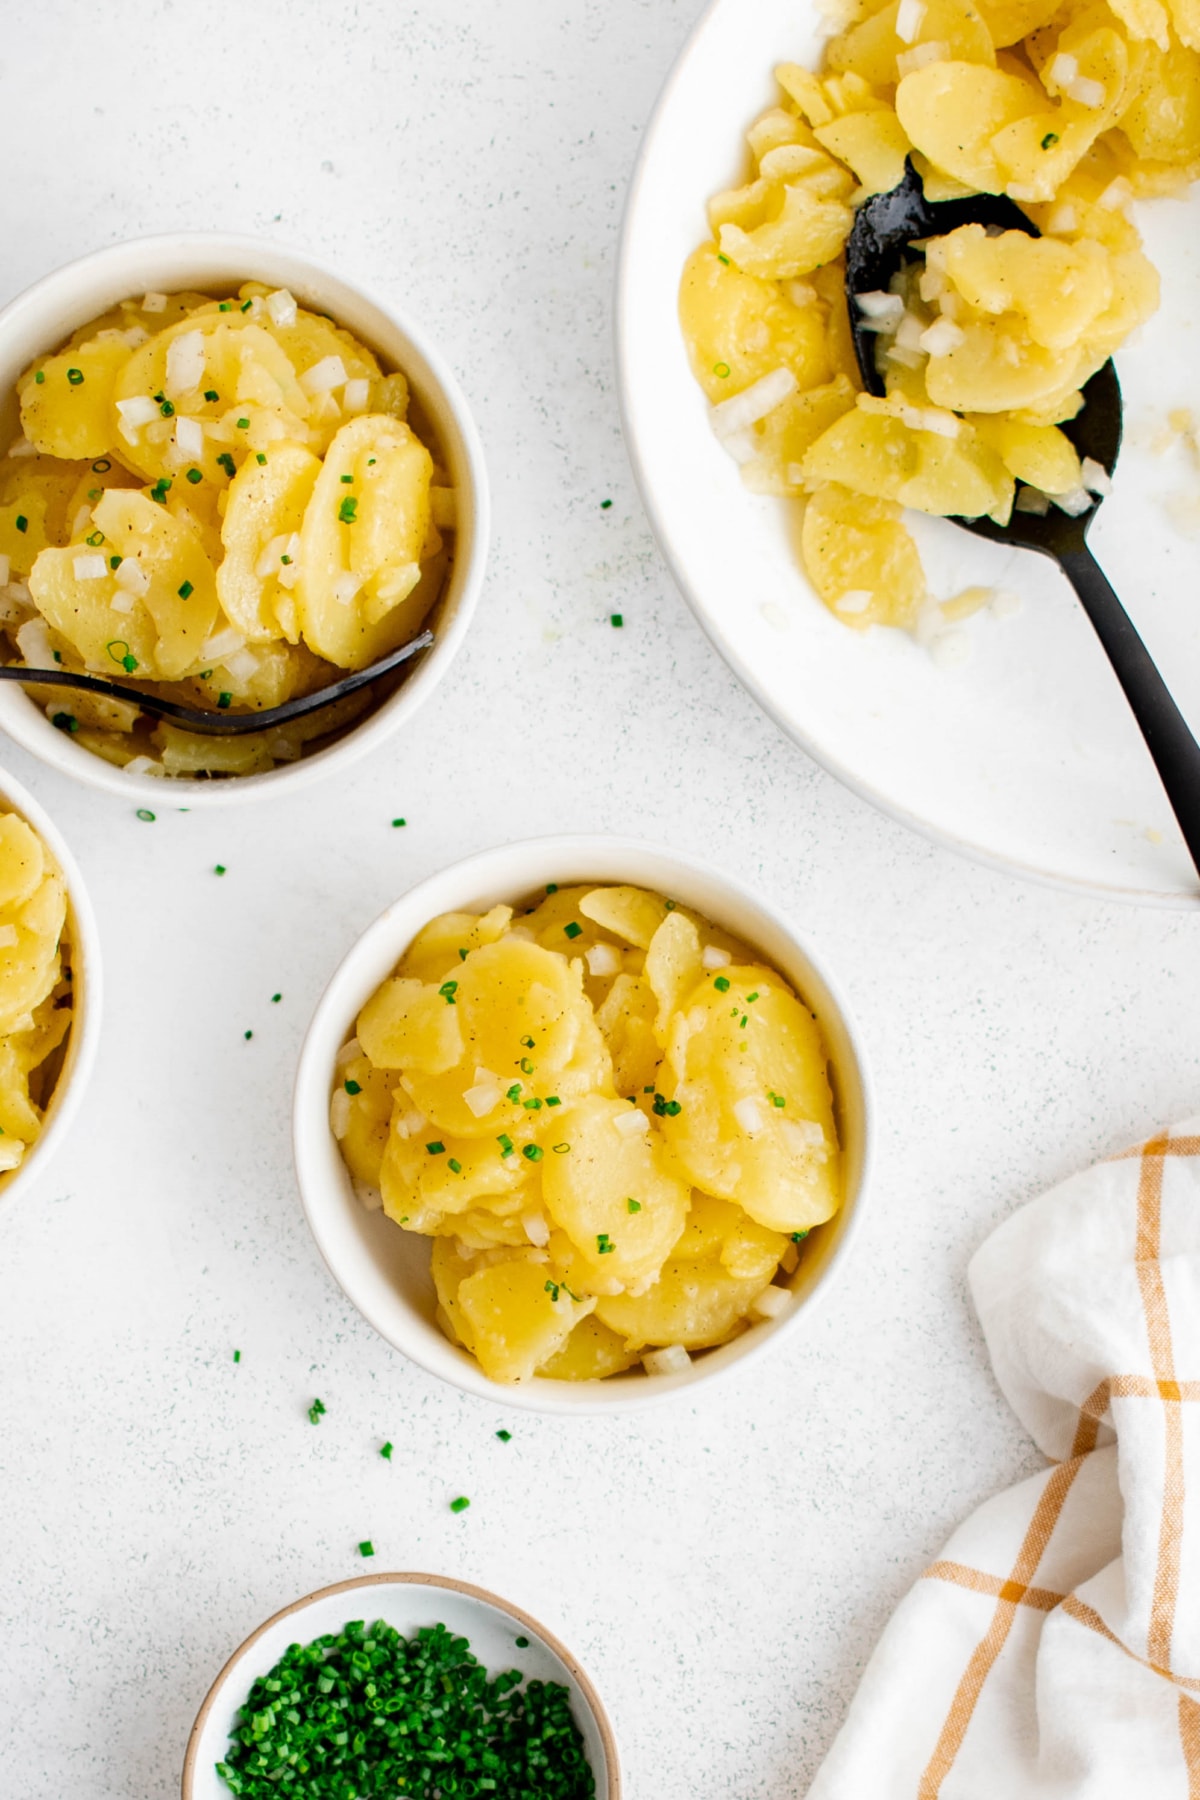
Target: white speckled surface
722 1568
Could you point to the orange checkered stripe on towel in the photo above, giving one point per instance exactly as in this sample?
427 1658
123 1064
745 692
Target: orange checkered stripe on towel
1019 1589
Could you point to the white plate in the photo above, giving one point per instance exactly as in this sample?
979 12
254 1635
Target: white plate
407 1603
1027 755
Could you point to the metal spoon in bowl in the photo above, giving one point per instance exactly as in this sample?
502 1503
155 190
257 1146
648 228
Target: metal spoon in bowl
217 724
885 227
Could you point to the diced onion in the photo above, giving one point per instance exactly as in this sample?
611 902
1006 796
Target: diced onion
1075 502
8 937
1064 218
89 568
603 959
753 403
909 333
143 765
137 411
741 445
325 375
1096 477
481 1098
269 563
357 396
773 1302
942 337
339 1113
121 602
747 1115
854 600
672 1360
185 363
536 1230
153 303
22 447
222 644
346 586
713 957
1086 92
803 1136
929 418
347 1053
1117 193
243 665
132 577
1063 69
189 438
1032 500
801 293
369 1197
880 311
920 57
12 1153
631 1122
910 16
281 307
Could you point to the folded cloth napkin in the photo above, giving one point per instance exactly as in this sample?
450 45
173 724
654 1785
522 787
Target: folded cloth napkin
1054 1649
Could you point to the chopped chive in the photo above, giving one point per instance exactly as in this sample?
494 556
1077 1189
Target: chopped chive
186 591
533 1105
448 991
40 377
504 1436
101 466
167 410
397 823
227 463
225 306
721 257
505 1143
22 523
666 1108
751 998
218 868
527 1043
259 458
237 1356
721 370
143 812
560 1149
385 1450
315 1411
275 999
1051 137
552 1289
437 1148
194 475
75 377
94 538
532 1153
634 1205
462 954
742 1023
649 1089
247 1035
526 1066
224 701
454 1166
246 305
459 1505
366 1548
347 510
553 1100
616 620
573 930
514 1092
285 559
65 721
604 505
114 562
775 1099
352 1087
522 1643
211 394
604 1244
347 478
670 905
243 424
552 887
722 984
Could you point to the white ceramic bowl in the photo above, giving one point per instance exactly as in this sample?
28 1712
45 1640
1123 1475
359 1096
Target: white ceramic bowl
86 983
406 1602
385 1271
40 318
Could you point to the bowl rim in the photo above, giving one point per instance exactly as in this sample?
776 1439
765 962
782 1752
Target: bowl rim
409 1578
87 999
204 253
625 311
395 927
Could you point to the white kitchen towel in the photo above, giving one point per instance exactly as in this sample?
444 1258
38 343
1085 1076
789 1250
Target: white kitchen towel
1053 1650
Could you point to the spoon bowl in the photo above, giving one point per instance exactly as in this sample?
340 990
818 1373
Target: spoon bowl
887 232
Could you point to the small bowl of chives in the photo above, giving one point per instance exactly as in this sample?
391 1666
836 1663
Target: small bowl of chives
325 1679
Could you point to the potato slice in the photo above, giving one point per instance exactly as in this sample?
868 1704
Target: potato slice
408 1025
738 328
870 49
29 968
515 1318
673 967
446 941
628 912
365 1112
874 144
163 629
66 400
261 539
365 531
22 862
612 1193
592 1352
746 1067
626 1019
952 110
423 1187
695 1302
860 559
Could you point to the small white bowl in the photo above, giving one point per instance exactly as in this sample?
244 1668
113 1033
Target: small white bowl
86 985
385 1270
406 1602
39 319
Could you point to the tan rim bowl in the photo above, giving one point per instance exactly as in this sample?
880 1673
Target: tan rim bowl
384 1270
86 983
406 1602
39 319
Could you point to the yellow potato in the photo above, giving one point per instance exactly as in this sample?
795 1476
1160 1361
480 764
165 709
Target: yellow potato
366 1108
953 110
874 144
66 400
257 576
612 1194
423 1187
855 547
695 1302
875 451
365 532
515 1318
673 967
738 328
871 48
591 1352
407 1024
440 946
626 1018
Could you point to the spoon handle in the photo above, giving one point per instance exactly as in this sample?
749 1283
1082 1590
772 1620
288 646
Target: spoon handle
1168 738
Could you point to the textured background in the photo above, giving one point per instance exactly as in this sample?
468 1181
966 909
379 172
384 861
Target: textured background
723 1566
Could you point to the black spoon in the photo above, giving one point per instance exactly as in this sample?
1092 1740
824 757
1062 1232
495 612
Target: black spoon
217 724
884 228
